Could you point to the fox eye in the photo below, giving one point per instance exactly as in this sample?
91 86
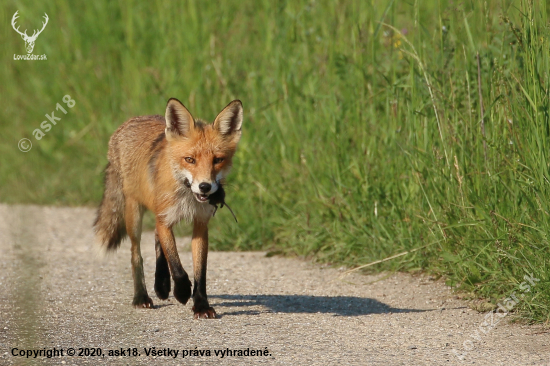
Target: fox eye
218 160
190 160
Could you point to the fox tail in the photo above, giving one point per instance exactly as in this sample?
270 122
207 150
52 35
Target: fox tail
109 225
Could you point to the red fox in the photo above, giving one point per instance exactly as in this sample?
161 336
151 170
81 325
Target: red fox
170 165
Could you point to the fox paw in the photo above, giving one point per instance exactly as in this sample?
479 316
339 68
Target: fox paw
162 287
143 302
204 313
182 289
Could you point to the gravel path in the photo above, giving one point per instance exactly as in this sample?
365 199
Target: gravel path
57 291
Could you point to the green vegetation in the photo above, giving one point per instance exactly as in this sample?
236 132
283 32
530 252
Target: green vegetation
363 133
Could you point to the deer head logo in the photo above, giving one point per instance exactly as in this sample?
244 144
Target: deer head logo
29 41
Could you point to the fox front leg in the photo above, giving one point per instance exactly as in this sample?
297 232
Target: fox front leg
199 248
162 272
182 285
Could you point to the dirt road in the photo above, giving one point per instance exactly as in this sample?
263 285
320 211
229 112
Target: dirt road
56 291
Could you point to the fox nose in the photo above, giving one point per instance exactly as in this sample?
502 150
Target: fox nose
205 187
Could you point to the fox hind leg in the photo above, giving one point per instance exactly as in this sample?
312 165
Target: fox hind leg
133 218
162 273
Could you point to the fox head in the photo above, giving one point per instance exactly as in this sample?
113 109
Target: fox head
201 154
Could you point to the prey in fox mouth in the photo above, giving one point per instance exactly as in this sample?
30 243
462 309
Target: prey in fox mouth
218 197
215 199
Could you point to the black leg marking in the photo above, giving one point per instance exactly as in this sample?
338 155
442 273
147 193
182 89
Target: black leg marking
162 273
182 288
201 307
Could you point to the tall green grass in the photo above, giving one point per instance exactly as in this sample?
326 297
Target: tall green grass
363 136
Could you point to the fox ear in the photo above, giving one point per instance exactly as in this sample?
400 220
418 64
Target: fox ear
230 120
179 122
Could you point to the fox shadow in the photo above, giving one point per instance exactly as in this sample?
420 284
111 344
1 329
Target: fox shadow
337 305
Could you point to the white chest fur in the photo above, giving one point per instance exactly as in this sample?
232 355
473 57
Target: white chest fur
186 207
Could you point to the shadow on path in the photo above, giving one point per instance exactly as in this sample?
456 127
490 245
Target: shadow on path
337 305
